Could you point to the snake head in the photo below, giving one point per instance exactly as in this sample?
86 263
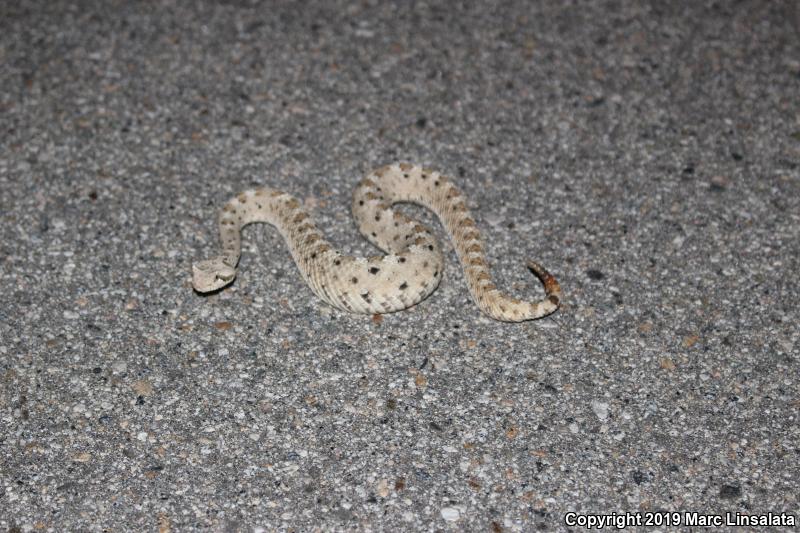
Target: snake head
212 274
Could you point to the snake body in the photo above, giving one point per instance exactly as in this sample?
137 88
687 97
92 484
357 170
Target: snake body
412 267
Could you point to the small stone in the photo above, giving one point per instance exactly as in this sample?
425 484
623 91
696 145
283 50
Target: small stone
451 514
142 387
666 363
164 523
600 409
383 488
645 327
719 183
690 341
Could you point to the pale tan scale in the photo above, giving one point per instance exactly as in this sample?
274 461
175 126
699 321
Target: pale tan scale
407 274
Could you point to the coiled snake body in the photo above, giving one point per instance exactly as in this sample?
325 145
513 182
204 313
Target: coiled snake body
412 267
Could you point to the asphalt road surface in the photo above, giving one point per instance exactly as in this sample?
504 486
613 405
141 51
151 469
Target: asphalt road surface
647 153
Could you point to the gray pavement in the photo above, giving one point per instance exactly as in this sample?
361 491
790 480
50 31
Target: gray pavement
647 153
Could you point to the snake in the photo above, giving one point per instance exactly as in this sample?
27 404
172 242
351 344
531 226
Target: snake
413 263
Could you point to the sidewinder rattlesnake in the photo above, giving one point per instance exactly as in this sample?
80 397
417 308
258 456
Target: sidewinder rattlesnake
406 275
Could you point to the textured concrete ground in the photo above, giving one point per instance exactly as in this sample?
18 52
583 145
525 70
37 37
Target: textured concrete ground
648 153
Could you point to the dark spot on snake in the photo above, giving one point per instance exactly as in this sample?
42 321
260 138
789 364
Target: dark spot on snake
435 183
405 175
401 259
374 234
374 270
314 255
377 217
337 262
403 286
553 299
354 280
430 247
435 274
361 202
366 297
